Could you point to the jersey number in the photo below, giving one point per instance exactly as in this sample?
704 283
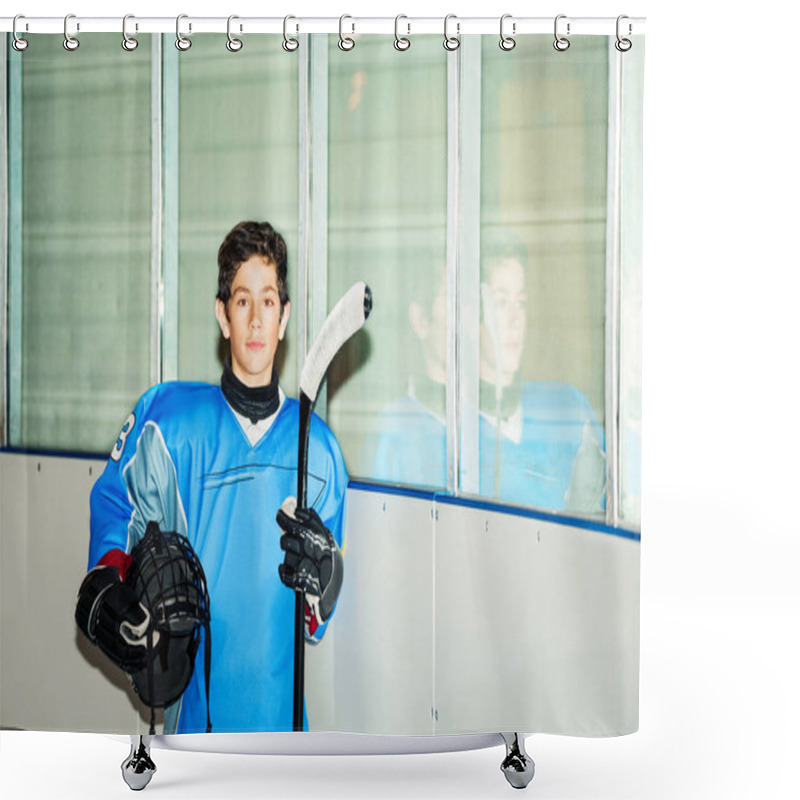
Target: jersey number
116 453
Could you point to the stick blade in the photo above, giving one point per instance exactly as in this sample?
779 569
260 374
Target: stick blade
346 317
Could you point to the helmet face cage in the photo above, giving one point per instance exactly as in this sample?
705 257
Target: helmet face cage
170 582
168 578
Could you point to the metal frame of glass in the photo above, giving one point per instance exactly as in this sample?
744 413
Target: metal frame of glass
613 235
467 263
156 211
4 221
313 295
13 267
168 90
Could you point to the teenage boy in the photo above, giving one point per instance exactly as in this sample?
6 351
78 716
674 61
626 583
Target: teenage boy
215 463
540 442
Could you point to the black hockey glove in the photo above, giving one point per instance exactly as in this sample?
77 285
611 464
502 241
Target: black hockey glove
313 562
110 615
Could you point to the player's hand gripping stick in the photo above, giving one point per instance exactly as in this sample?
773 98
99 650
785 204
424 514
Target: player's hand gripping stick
313 562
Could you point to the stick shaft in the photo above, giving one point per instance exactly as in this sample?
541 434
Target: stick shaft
299 659
299 600
306 405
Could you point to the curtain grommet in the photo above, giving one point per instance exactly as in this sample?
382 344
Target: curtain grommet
290 44
507 42
18 43
70 42
561 43
623 44
346 43
129 43
451 43
181 42
233 44
401 43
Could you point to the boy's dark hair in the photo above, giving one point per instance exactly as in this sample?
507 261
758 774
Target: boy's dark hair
499 244
244 240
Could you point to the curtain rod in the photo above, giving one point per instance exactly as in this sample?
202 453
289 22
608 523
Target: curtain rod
407 26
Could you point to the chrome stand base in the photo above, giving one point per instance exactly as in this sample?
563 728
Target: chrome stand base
518 766
138 768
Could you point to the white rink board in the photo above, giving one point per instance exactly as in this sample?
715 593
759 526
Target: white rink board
383 626
472 622
537 626
51 678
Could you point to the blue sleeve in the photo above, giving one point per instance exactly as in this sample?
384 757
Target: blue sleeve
138 485
110 507
587 487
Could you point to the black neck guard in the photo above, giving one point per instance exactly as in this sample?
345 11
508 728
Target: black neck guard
254 402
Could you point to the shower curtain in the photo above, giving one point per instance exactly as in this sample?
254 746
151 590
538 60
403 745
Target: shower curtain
489 413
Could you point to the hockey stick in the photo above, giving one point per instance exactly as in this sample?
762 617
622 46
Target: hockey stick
347 317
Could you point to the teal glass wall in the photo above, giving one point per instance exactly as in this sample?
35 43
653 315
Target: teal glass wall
543 216
471 190
227 148
84 247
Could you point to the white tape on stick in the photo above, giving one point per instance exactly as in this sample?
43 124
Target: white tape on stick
347 317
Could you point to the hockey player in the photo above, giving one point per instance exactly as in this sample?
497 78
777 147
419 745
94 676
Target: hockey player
215 463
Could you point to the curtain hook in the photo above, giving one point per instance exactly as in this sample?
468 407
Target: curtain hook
18 44
622 44
561 43
70 42
451 42
181 42
290 44
401 42
233 44
129 43
345 42
507 42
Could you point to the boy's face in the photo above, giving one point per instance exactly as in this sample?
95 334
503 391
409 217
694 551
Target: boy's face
253 320
501 348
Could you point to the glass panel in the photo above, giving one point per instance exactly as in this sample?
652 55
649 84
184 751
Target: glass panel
630 401
238 145
542 292
85 240
388 226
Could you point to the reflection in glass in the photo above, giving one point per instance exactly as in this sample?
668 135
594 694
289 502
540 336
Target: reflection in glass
387 224
539 294
543 152
412 444
540 442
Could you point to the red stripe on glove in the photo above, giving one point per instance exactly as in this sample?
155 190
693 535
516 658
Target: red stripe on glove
116 558
311 621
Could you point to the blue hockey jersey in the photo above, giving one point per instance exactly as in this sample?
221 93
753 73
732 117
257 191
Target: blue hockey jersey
183 460
549 455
